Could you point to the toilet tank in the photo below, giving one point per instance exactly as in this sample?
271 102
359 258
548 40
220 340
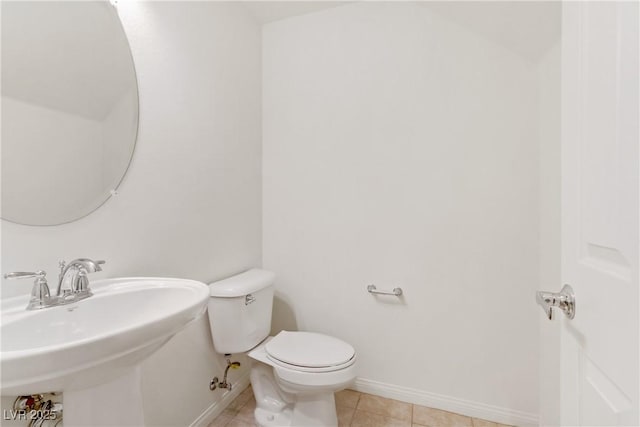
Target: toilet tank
240 310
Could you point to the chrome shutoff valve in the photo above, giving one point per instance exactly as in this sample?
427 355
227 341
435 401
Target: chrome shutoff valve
215 383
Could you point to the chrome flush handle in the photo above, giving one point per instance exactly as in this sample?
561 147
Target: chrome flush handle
565 300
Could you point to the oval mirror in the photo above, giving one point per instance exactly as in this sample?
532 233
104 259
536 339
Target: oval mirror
69 109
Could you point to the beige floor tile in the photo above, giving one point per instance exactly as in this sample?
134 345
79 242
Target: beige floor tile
387 407
221 420
246 412
229 413
369 419
345 415
359 410
237 422
348 398
477 422
436 418
241 399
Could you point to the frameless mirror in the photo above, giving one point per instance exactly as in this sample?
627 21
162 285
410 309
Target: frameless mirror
69 109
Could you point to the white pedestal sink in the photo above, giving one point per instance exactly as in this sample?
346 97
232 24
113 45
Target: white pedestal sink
91 350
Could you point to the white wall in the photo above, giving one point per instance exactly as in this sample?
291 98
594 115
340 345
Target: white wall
549 137
190 204
401 150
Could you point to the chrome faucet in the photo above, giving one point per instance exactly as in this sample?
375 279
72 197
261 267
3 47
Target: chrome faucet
73 274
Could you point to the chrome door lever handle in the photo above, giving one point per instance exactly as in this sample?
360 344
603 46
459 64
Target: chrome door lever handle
565 300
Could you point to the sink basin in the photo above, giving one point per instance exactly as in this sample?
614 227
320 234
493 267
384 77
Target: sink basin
90 342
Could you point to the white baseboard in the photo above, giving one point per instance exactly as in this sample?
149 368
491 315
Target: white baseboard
447 403
418 397
218 406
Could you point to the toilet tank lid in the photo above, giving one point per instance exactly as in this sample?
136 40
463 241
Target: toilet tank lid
242 284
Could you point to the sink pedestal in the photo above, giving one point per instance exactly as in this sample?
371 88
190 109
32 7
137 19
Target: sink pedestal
115 403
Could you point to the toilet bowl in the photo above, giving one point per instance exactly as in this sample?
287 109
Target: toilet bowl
304 370
294 374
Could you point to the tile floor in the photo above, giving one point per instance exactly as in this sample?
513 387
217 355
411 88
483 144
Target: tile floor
359 410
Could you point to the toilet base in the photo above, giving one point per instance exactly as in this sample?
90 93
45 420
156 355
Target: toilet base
315 410
278 408
266 418
318 410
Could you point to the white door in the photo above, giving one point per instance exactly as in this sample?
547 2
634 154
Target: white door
600 215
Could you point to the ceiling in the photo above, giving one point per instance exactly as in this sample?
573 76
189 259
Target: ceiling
269 11
528 28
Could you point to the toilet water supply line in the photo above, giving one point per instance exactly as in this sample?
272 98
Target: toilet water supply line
224 384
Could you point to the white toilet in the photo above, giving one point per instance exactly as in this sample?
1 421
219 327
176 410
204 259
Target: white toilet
294 374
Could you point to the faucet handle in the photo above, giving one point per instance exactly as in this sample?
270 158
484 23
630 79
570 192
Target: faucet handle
25 275
82 283
40 296
87 264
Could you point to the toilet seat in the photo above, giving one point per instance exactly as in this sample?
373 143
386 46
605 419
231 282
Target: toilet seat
309 352
307 369
299 379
